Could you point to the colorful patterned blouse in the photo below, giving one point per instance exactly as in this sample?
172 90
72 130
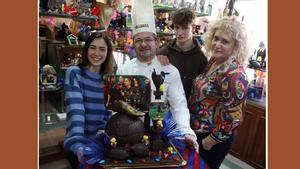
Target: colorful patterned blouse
217 100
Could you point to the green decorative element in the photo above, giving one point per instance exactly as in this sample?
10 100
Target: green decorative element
201 14
72 39
80 18
158 110
163 7
129 20
167 8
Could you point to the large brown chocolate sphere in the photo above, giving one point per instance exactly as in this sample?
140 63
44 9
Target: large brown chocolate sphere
125 129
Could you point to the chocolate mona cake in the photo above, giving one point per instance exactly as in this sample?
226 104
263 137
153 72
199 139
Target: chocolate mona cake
130 147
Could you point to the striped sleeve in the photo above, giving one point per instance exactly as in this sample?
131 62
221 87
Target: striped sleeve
75 110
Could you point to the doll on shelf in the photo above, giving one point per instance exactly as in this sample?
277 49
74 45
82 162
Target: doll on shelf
261 54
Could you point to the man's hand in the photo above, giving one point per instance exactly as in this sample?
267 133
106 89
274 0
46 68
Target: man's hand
163 59
192 142
208 142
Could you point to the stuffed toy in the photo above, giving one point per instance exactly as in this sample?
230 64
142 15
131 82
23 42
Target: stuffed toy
48 75
83 8
75 27
55 6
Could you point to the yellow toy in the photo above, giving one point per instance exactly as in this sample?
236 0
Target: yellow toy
113 142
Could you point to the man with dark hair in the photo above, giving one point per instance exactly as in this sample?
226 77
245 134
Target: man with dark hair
171 92
184 52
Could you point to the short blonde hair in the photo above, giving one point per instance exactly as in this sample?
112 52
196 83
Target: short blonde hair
238 32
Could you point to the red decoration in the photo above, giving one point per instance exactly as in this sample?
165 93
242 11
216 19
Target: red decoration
142 160
95 11
70 10
97 25
176 158
195 124
165 156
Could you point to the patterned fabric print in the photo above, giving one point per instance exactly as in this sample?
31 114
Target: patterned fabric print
217 100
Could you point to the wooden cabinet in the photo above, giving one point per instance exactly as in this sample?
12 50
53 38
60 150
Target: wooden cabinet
250 144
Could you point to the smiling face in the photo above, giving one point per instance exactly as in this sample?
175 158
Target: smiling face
223 45
145 46
97 53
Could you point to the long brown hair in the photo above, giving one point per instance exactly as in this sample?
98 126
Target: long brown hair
109 63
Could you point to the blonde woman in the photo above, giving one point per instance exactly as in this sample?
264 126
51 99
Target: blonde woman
219 93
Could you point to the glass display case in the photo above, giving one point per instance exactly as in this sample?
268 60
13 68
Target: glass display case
52 111
257 85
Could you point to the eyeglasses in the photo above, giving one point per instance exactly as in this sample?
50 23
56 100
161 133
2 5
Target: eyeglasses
138 42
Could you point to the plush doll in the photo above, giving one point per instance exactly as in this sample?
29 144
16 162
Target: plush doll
115 20
129 49
43 5
48 75
158 25
70 10
83 8
55 6
84 32
116 34
75 27
63 31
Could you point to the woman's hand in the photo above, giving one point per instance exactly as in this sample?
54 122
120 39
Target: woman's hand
208 142
163 59
192 142
79 154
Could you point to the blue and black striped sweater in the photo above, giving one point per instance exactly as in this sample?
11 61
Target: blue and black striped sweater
86 114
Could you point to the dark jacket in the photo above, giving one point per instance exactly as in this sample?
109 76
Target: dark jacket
189 63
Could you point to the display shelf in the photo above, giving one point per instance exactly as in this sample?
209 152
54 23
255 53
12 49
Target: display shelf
44 39
198 14
82 18
72 48
50 89
48 127
171 34
163 7
120 29
261 103
169 8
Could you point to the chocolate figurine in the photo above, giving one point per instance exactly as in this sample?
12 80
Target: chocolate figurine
158 80
130 144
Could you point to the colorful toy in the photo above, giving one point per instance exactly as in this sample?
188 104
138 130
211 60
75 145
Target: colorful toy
55 6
